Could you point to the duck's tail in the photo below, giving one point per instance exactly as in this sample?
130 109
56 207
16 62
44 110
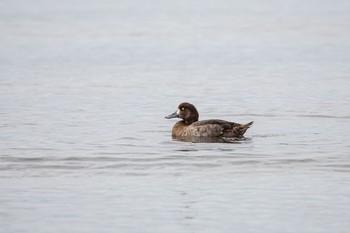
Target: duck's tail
248 124
243 128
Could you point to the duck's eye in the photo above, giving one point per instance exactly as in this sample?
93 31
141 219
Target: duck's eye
182 109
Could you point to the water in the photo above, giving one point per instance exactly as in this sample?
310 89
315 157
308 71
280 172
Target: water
85 86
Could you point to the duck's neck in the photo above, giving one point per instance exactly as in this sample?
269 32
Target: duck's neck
190 121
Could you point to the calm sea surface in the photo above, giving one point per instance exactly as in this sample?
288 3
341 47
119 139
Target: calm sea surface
85 86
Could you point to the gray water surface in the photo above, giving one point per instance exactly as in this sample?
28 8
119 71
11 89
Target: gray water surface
85 86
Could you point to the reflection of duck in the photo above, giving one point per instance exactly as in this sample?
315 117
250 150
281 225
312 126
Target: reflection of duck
191 127
195 139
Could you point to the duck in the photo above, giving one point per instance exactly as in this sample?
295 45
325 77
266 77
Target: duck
190 126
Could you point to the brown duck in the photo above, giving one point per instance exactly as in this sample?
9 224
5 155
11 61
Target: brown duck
191 127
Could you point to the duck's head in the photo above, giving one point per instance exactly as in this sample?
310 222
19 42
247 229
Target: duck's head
187 112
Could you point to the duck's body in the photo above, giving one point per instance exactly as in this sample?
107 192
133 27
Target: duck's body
191 127
209 128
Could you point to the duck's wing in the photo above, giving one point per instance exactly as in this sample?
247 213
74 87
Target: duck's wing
210 128
204 130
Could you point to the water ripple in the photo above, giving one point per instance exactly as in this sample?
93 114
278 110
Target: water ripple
293 115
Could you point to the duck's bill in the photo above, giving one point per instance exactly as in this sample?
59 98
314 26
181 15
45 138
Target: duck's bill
174 115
